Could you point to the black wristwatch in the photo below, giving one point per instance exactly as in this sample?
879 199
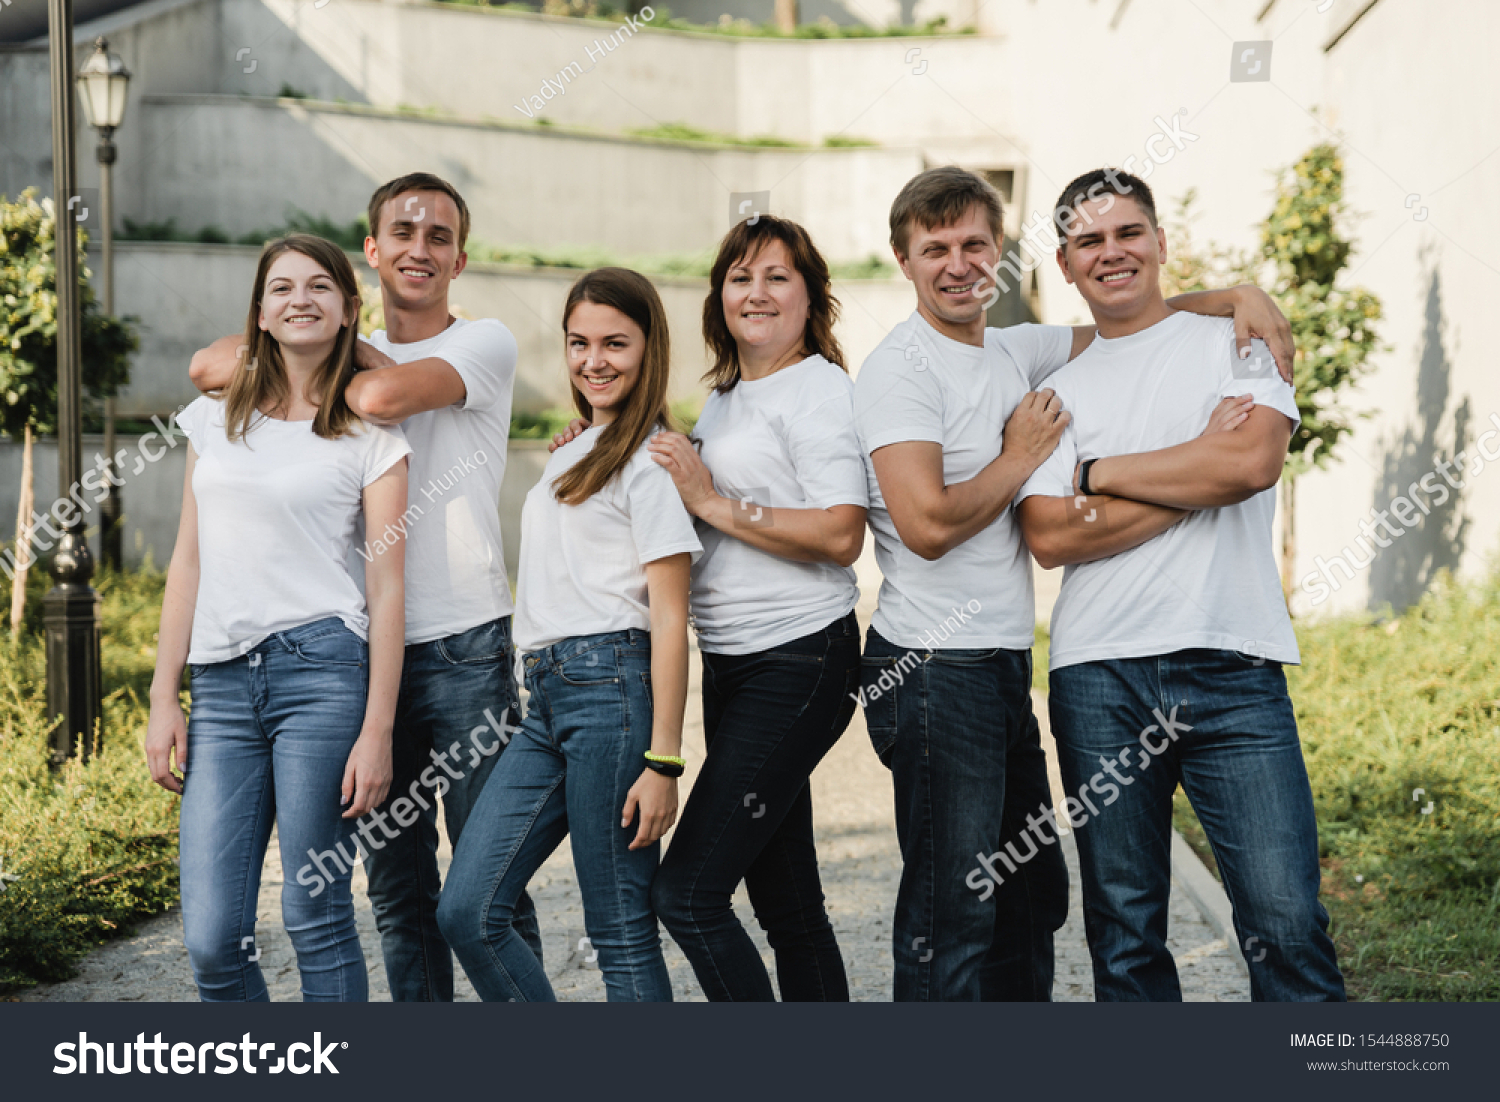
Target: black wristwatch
1083 476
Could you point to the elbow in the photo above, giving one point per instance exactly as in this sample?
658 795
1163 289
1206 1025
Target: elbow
928 547
847 546
373 399
1047 556
1266 473
199 370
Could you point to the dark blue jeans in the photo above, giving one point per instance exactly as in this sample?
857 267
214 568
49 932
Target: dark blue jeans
457 709
269 738
964 749
1220 724
567 772
768 719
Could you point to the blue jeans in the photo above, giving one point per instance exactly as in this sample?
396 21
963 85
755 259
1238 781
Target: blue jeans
768 719
1128 732
457 707
964 749
566 772
269 737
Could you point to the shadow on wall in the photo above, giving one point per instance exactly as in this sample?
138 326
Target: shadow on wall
1402 572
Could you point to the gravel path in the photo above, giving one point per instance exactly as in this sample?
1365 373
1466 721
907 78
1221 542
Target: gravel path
860 865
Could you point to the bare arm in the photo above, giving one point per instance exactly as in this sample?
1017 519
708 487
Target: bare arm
654 795
367 776
1218 468
835 534
933 517
387 393
1255 314
212 367
1062 531
166 730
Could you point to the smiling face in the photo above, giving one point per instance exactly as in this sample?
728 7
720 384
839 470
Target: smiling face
416 249
301 306
765 301
947 265
1113 255
605 349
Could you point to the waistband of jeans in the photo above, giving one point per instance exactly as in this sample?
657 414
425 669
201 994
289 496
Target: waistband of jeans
567 649
288 639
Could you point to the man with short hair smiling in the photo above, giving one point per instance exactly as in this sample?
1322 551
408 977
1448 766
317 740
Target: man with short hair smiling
945 408
1170 633
448 383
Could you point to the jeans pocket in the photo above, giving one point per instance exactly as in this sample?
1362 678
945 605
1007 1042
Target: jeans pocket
478 646
336 648
877 694
594 666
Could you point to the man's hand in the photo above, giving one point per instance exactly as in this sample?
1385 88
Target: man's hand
1257 315
1229 414
576 428
368 358
1034 428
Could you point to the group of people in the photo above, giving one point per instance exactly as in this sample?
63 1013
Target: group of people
338 595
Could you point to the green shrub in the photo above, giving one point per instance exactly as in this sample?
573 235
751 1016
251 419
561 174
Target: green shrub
92 846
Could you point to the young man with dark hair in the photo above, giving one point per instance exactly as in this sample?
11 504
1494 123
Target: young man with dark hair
947 412
447 382
1170 633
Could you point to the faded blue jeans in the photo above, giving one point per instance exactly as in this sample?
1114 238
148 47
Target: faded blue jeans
565 774
269 737
964 749
1221 724
457 707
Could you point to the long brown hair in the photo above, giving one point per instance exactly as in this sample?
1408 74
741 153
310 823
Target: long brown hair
260 378
744 242
645 406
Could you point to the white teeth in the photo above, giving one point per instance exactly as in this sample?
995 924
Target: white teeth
1115 277
963 290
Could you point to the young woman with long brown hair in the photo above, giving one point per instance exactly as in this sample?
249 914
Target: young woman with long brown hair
601 619
294 671
781 487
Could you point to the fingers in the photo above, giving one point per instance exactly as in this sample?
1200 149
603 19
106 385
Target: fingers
631 802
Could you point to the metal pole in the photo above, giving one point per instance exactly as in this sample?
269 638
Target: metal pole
71 608
110 534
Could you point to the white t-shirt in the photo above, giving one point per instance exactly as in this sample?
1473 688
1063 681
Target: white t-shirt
276 523
785 442
921 385
455 562
583 567
1211 579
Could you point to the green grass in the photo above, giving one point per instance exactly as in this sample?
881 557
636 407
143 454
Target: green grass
92 846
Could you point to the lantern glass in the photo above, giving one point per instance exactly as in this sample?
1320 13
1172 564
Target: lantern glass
103 81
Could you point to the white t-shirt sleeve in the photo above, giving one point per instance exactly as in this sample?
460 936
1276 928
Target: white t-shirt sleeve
660 524
484 355
384 447
897 400
1039 349
194 421
1054 478
826 454
1256 376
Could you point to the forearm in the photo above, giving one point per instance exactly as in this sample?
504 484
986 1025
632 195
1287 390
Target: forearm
1214 304
1064 531
385 599
669 678
174 634
964 509
1207 472
803 535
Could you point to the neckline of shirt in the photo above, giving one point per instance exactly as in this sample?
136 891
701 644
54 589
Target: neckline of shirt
787 370
1113 345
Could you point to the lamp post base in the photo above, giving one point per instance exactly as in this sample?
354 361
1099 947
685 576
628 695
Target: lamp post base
71 618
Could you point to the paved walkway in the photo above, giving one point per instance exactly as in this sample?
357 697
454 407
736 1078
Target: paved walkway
860 865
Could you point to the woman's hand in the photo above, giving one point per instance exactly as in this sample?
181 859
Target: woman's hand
656 798
166 733
367 777
676 453
576 428
1230 414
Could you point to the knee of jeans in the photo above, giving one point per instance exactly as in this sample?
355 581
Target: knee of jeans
669 899
217 952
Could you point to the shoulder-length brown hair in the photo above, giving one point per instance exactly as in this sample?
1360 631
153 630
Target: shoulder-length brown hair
743 243
645 406
260 379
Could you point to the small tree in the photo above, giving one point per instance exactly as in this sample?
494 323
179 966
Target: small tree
28 350
1302 244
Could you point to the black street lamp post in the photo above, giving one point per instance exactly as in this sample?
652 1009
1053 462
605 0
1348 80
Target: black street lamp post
104 80
71 608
